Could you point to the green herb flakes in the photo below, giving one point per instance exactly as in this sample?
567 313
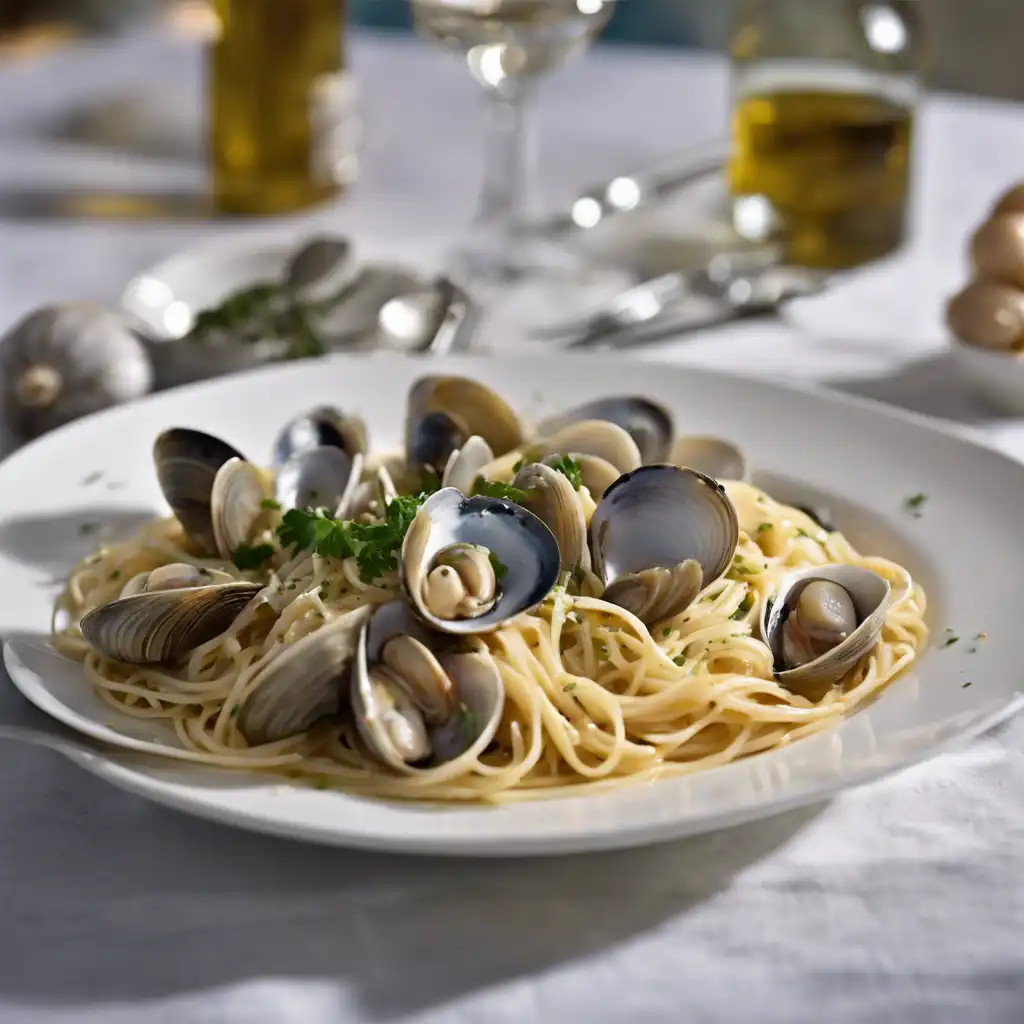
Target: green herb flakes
115 575
914 504
965 685
234 710
570 469
763 527
666 633
745 605
680 660
321 784
496 489
568 688
269 503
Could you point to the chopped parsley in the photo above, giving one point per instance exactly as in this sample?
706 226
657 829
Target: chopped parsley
965 685
269 503
252 557
234 710
950 640
745 605
914 505
495 489
115 575
375 546
321 784
500 568
763 526
666 632
519 465
803 533
431 482
680 660
570 469
568 688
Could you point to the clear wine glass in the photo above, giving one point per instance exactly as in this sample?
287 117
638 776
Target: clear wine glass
509 45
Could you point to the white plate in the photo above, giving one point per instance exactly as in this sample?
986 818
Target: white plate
860 458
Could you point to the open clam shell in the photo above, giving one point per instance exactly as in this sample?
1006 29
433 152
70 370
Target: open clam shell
648 423
306 683
523 546
236 505
870 595
187 463
322 427
396 723
164 625
453 409
711 456
324 477
555 502
660 518
464 465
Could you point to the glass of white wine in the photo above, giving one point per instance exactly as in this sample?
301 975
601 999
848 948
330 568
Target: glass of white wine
508 46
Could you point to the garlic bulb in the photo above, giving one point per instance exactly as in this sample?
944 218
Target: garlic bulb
66 361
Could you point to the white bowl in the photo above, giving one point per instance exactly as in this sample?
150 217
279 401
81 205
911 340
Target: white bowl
997 376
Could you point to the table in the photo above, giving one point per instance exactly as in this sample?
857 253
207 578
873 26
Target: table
903 901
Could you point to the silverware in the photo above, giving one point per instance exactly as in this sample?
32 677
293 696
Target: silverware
628 192
709 304
644 302
436 320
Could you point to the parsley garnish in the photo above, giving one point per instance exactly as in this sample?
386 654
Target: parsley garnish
949 641
914 504
666 632
115 575
568 688
234 710
271 504
375 546
802 533
570 469
745 605
763 526
252 557
680 660
498 565
964 687
321 784
495 489
519 465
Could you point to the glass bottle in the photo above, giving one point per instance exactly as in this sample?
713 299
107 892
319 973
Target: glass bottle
278 96
823 109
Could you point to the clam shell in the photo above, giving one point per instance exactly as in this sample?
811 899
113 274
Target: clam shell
464 465
554 501
322 427
660 517
236 505
472 406
870 595
306 683
647 422
711 456
165 625
479 692
600 439
319 478
187 462
517 538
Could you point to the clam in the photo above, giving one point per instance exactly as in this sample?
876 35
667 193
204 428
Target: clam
597 439
465 464
555 502
659 536
372 496
187 463
415 706
471 564
648 423
236 505
711 456
822 622
166 614
319 478
322 427
444 412
307 682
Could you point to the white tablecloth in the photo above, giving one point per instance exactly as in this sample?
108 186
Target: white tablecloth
902 902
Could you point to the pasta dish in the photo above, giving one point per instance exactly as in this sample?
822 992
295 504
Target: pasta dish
499 611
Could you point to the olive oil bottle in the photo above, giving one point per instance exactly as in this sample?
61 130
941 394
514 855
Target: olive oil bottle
277 103
822 123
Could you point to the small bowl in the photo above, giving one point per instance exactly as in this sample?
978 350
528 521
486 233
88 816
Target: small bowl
997 376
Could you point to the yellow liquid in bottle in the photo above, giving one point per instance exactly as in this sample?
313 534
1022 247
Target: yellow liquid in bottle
271 62
835 167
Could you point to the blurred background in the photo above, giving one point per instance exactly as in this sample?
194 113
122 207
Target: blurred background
976 43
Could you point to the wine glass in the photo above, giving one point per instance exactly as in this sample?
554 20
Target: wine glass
509 45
